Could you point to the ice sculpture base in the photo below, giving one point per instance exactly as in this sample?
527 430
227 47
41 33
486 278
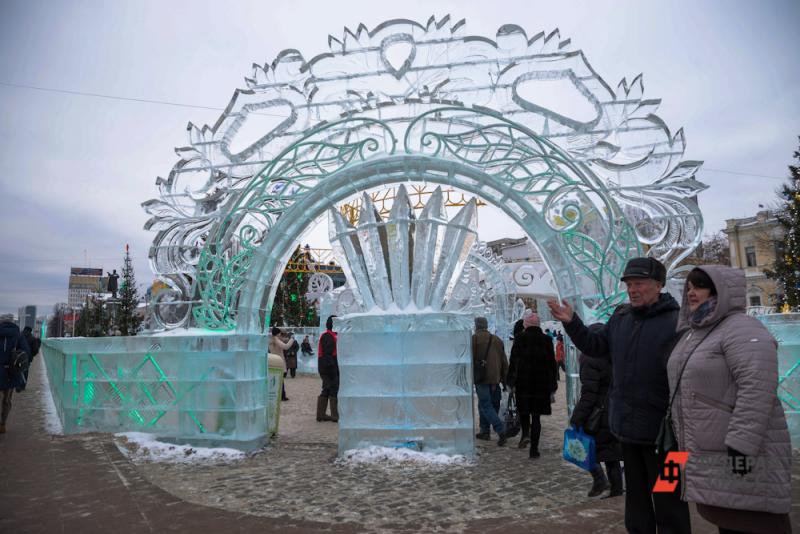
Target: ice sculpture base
200 390
785 327
307 365
406 381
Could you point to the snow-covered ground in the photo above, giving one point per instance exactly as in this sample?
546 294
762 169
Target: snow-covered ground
376 454
141 447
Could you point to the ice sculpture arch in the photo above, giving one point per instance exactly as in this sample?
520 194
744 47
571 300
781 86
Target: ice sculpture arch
372 161
496 298
450 109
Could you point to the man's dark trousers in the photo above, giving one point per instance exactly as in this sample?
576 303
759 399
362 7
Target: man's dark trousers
647 512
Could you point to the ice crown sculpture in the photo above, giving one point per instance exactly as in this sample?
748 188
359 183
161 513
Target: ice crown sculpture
404 263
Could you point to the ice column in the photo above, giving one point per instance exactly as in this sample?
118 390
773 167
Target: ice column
372 237
399 233
458 239
347 249
406 378
427 246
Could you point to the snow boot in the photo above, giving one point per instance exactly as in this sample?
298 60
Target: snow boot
334 410
600 483
322 406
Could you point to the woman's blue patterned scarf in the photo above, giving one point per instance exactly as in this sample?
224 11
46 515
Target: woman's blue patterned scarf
703 311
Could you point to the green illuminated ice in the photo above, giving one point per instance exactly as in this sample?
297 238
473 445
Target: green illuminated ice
785 327
206 390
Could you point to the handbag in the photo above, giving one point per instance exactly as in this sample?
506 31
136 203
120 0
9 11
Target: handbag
666 440
579 448
511 419
479 371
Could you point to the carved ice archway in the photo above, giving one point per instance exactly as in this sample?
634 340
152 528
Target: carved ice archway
453 109
534 183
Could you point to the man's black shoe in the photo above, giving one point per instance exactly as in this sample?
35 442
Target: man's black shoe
501 440
483 435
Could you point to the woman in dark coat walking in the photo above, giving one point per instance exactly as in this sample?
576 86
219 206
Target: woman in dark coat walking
290 354
595 382
532 373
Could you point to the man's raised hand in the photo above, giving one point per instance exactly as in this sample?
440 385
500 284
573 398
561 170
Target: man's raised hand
561 312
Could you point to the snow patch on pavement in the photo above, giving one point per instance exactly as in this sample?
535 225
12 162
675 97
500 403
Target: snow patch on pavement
138 446
52 422
374 454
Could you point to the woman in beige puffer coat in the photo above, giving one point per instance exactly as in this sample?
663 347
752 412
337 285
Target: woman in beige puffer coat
726 412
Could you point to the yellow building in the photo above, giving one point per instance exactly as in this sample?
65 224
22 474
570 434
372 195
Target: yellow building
755 242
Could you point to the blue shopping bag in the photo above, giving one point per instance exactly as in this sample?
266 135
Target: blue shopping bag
579 448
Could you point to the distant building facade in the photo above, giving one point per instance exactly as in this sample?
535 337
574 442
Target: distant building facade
27 317
514 250
755 243
82 282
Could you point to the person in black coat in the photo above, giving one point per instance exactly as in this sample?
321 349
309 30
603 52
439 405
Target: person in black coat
33 343
328 368
10 380
532 373
595 382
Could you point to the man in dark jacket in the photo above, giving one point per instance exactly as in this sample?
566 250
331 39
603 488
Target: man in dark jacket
33 343
490 366
328 368
638 339
10 379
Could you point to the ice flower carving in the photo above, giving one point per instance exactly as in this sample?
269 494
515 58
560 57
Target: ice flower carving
404 263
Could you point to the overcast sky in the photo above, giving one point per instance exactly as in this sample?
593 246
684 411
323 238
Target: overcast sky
76 168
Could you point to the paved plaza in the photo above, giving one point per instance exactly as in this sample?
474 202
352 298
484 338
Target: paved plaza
71 483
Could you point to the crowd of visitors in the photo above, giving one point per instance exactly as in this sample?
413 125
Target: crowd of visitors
706 364
704 371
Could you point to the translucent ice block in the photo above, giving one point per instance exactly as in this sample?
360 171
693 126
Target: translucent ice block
205 390
785 327
406 381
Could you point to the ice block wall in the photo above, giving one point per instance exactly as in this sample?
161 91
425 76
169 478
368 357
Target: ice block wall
406 381
204 390
785 327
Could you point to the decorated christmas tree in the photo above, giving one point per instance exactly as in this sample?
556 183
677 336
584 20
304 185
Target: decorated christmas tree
290 307
787 266
127 320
